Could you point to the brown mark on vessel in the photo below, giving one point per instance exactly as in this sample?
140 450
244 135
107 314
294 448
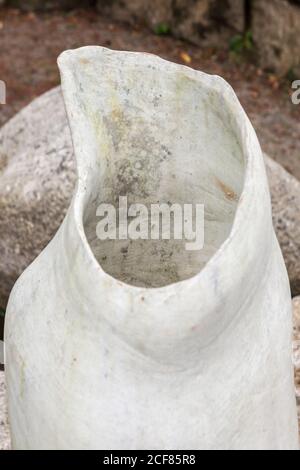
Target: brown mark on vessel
228 192
84 61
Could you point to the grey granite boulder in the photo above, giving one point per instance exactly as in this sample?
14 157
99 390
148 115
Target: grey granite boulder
285 192
37 179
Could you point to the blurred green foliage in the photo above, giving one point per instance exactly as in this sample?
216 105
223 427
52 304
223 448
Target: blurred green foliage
291 75
162 28
241 43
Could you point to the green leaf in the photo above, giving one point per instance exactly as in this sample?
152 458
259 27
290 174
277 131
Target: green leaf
241 43
248 40
2 312
236 43
162 29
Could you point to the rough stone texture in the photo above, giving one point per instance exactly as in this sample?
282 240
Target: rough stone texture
4 430
200 21
275 25
37 179
276 31
144 11
207 21
285 192
296 305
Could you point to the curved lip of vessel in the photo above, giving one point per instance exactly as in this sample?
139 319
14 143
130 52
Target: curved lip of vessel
252 185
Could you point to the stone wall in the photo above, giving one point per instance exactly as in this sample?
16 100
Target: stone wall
275 24
203 22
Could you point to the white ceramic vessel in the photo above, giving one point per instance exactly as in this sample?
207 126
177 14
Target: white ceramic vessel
138 345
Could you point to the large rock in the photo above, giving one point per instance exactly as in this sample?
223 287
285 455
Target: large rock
276 31
285 192
37 178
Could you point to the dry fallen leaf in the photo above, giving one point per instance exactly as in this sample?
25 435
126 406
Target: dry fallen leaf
185 57
274 82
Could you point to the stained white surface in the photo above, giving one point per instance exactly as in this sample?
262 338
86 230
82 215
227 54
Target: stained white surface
203 363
